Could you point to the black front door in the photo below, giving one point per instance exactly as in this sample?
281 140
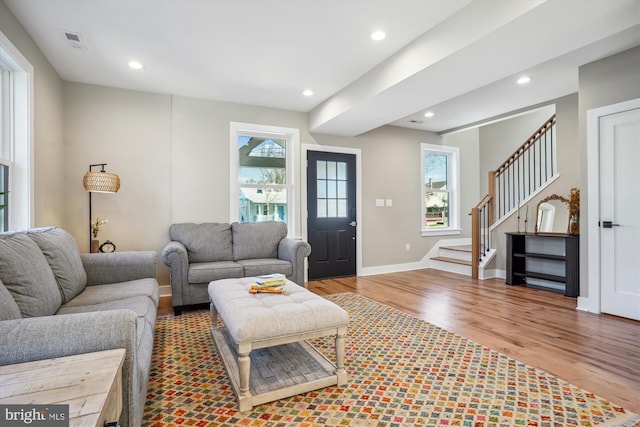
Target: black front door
331 221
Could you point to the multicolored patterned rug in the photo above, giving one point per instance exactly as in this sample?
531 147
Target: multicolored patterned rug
402 372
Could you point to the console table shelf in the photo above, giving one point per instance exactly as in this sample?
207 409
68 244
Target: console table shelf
544 258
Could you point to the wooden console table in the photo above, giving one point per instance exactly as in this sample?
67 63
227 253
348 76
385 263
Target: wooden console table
90 383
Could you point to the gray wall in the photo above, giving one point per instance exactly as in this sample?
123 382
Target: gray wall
172 156
48 140
608 81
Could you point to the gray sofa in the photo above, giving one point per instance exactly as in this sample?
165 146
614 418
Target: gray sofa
57 302
200 253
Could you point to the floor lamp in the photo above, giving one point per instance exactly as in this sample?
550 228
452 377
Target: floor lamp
99 182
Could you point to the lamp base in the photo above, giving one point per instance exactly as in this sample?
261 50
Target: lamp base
95 246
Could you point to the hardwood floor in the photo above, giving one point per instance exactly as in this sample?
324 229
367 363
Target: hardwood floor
599 353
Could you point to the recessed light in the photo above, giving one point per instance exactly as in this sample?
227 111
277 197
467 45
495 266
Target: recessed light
307 92
524 80
428 114
136 65
378 35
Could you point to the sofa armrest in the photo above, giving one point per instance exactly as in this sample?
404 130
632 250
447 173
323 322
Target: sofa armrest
38 338
295 251
175 256
119 266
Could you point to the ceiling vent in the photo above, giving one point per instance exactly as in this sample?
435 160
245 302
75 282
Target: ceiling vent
417 122
73 39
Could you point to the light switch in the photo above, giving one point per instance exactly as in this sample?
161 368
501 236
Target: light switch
388 203
379 203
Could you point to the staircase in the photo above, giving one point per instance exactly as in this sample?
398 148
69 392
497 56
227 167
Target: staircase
457 258
520 177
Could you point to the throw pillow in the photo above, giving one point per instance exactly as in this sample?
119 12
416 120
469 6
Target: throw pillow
26 274
61 251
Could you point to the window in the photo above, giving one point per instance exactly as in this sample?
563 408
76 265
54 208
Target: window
16 130
331 183
5 144
262 173
440 195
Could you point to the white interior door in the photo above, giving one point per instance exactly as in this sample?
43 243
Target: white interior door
620 213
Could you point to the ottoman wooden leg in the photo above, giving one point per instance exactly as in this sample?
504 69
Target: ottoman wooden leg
244 368
341 373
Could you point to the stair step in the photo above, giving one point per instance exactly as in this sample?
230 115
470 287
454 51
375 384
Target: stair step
452 260
459 248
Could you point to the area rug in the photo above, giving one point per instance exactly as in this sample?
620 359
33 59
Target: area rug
402 372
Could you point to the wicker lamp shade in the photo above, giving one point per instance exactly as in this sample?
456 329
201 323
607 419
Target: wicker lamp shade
101 182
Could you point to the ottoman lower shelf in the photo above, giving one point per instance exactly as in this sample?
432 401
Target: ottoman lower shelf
276 372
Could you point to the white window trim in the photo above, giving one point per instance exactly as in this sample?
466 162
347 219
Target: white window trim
21 180
293 173
453 182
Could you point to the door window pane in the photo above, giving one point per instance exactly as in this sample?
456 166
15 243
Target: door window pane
331 189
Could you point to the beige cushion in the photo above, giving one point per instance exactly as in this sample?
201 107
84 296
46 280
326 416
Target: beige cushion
250 317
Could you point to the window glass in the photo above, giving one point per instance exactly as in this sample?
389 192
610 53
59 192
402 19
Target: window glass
4 197
439 186
262 178
331 189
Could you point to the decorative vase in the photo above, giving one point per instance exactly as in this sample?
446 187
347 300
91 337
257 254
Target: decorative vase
574 225
95 246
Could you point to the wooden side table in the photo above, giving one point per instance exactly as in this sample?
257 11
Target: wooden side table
90 383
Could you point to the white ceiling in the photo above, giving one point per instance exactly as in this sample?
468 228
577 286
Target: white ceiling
457 58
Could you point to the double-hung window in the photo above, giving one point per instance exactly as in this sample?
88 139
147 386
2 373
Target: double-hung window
440 193
262 173
16 133
5 144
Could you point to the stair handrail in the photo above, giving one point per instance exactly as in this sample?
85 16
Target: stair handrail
476 227
525 145
483 214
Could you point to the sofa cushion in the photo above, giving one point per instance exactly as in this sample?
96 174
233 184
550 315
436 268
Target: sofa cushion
98 294
142 306
260 266
61 251
257 239
205 272
26 274
205 242
8 308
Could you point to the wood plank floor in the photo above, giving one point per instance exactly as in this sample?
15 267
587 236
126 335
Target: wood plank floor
599 353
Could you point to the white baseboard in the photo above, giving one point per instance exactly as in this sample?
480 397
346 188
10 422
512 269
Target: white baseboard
392 268
587 304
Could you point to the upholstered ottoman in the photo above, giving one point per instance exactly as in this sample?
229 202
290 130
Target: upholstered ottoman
263 345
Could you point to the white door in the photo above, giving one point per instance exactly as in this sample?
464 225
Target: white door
620 213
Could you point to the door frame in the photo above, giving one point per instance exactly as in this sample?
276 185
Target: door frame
303 194
592 302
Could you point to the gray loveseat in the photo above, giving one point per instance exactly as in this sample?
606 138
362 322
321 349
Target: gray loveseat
56 302
200 253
